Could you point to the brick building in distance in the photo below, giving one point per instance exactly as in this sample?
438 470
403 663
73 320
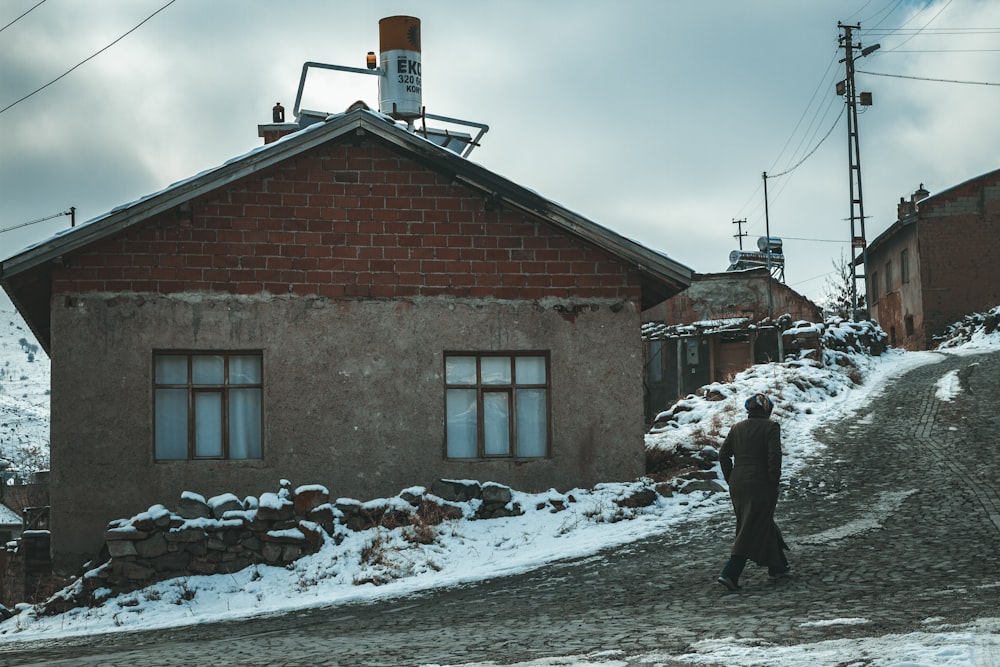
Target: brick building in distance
937 262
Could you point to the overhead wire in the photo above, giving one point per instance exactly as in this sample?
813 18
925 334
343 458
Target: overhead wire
129 32
35 222
927 78
22 15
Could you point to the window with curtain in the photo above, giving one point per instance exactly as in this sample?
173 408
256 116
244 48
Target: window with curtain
497 405
207 405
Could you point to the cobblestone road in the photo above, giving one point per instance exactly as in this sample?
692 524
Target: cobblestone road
896 520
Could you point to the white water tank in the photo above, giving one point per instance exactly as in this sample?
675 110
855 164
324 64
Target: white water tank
399 59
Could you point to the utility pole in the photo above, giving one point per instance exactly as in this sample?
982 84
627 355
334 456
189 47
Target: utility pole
859 244
767 249
739 231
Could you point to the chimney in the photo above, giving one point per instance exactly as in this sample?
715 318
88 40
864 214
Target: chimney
278 127
905 208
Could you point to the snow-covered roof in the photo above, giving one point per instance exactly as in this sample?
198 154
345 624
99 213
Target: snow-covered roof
9 517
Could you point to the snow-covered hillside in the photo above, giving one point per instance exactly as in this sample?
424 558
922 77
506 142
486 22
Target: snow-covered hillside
24 396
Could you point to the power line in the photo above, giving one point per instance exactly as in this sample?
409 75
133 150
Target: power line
20 17
924 78
89 58
35 222
815 148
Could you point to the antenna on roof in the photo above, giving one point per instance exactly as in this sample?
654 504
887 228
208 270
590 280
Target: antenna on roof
400 87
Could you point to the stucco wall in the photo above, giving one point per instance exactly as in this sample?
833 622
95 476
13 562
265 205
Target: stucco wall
353 396
730 295
900 300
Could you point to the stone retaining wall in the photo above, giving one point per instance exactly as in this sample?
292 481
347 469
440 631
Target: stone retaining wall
225 534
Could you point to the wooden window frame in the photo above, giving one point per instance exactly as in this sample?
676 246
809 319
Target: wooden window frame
510 389
193 389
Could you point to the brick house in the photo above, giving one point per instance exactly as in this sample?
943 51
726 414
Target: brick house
753 294
937 262
350 306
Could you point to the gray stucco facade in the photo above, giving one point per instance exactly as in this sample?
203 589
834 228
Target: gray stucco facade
353 397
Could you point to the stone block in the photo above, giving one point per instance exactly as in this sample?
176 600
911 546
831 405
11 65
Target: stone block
151 547
193 506
496 493
174 561
121 548
271 552
309 499
457 490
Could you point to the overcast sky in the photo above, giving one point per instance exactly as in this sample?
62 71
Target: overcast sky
655 118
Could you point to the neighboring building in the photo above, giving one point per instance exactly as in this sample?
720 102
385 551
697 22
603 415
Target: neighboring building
752 294
682 358
722 324
937 262
350 306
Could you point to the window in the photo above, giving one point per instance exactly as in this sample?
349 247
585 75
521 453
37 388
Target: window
207 405
888 277
904 266
656 361
874 286
497 405
908 324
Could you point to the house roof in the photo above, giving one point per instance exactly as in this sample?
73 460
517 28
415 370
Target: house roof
9 517
26 276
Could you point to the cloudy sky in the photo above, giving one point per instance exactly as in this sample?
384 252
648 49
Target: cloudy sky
655 118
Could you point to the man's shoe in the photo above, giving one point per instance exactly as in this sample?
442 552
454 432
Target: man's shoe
728 583
787 572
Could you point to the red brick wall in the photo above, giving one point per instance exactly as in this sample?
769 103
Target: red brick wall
959 239
348 222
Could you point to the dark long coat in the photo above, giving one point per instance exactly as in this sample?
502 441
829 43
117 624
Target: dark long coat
751 462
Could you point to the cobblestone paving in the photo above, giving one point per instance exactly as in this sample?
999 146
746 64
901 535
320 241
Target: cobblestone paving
896 520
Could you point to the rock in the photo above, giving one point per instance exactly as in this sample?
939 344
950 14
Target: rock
171 562
665 489
227 502
456 490
309 498
274 507
153 546
134 571
193 506
184 535
699 474
121 548
496 493
702 485
641 498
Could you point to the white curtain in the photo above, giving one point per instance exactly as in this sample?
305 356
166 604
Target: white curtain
462 419
171 423
244 423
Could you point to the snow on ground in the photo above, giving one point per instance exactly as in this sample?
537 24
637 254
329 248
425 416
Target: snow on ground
24 396
806 393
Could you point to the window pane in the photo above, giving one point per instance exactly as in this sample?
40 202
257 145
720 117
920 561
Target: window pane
496 370
208 424
655 361
460 370
531 422
207 369
530 370
171 424
496 423
244 423
171 369
244 369
461 409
